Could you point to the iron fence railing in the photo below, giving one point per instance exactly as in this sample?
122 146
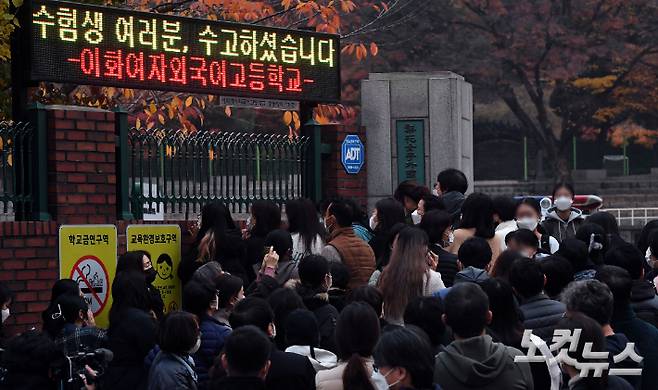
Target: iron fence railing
634 216
16 149
180 172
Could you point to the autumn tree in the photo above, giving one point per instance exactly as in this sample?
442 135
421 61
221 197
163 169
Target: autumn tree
563 68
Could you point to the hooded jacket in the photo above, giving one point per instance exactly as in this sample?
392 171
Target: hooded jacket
453 201
561 229
644 301
471 274
479 363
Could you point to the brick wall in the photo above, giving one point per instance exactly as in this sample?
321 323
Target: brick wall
81 166
29 267
335 181
82 190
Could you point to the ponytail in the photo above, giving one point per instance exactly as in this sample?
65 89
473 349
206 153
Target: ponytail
355 375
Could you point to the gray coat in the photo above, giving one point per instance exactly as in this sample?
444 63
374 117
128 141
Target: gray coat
170 371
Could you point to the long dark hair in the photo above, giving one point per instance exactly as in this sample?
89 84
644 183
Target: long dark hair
478 212
64 286
403 278
128 291
357 333
215 221
268 218
64 310
389 212
506 322
131 261
435 223
303 219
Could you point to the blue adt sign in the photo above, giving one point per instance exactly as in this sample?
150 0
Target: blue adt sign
352 154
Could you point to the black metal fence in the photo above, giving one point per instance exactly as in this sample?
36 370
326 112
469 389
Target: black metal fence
177 173
16 148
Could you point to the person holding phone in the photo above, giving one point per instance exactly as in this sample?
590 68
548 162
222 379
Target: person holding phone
409 274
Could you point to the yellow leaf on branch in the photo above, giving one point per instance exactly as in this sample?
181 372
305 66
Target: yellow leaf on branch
287 118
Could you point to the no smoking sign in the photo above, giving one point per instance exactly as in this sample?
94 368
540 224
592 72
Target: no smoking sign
88 256
93 279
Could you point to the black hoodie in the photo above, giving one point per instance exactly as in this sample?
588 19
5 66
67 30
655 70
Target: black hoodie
644 301
479 363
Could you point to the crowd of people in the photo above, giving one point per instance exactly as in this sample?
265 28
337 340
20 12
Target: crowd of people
435 289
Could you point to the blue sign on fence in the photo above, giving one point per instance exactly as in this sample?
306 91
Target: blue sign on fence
352 154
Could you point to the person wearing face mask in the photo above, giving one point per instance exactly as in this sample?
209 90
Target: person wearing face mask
451 186
201 300
562 220
404 360
140 261
315 281
417 195
528 216
344 246
387 213
173 367
357 333
157 305
436 224
6 297
230 291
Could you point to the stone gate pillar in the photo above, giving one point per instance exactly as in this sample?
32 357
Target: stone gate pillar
417 124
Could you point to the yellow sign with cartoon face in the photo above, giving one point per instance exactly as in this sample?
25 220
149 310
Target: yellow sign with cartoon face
162 243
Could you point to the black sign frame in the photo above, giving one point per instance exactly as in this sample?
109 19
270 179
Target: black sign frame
24 50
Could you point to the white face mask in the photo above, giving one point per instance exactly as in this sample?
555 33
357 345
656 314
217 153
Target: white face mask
647 257
380 381
563 203
5 314
435 192
196 346
373 223
415 217
527 223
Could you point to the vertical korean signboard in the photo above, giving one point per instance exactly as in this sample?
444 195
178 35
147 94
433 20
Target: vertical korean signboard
163 245
88 255
95 45
411 150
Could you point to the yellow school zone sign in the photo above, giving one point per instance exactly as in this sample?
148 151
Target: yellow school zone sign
163 244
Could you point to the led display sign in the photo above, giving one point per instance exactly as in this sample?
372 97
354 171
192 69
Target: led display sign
94 45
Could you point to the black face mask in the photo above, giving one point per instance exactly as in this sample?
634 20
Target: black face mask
150 275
